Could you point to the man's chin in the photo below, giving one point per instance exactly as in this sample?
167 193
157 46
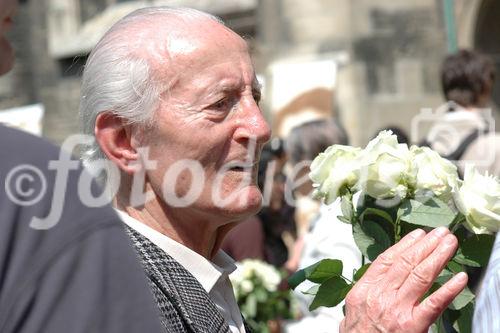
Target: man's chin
247 203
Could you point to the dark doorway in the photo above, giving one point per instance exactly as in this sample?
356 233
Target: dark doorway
487 37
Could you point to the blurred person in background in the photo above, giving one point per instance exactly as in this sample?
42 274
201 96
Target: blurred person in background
80 275
277 215
261 236
463 134
326 236
303 144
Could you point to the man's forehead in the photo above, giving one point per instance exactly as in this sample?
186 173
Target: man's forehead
175 37
198 58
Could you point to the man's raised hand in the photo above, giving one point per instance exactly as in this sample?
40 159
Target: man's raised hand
388 297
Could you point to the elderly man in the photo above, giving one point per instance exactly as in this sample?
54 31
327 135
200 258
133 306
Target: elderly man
180 83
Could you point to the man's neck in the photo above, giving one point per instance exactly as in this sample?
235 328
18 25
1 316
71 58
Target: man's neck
201 236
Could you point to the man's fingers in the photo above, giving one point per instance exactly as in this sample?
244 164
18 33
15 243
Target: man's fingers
422 277
384 261
413 256
429 310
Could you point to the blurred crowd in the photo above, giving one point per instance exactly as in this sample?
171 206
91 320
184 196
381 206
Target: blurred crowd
295 230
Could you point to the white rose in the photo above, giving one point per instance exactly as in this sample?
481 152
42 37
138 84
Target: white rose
386 168
270 277
246 286
334 170
478 199
433 173
249 270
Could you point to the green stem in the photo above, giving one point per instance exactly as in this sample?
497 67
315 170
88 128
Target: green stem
456 223
397 230
350 282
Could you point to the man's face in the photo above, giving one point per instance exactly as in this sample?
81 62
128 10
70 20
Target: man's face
7 9
210 115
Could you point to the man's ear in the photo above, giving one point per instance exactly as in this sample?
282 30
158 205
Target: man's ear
114 137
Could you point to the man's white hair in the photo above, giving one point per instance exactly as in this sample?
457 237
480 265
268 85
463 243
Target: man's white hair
118 80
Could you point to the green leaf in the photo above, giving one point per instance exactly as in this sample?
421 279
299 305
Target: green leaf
432 213
318 272
477 249
324 270
404 208
464 298
444 276
461 259
360 272
371 239
346 207
377 212
312 291
454 266
464 321
343 219
330 293
461 233
296 278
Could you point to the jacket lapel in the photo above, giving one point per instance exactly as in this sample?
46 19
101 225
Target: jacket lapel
187 295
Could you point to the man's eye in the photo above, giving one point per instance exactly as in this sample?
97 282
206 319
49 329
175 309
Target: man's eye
222 104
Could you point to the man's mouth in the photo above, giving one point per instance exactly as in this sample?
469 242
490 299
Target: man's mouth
240 166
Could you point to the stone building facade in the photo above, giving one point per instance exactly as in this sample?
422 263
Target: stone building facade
380 59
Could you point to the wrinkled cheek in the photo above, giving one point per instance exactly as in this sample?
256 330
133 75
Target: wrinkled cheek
187 182
182 185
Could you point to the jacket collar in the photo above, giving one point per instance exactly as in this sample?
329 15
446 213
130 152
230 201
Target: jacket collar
186 294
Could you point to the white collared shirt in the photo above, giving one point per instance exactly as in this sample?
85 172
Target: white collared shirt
212 275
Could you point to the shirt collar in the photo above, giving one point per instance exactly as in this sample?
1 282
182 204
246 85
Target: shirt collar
207 272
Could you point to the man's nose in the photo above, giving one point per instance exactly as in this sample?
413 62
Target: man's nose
253 124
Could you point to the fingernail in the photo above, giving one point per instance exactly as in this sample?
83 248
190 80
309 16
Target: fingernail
441 231
450 240
461 277
417 233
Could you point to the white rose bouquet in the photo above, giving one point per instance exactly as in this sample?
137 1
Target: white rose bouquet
255 284
397 190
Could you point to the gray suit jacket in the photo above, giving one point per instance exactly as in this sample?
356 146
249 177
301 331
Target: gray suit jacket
183 304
